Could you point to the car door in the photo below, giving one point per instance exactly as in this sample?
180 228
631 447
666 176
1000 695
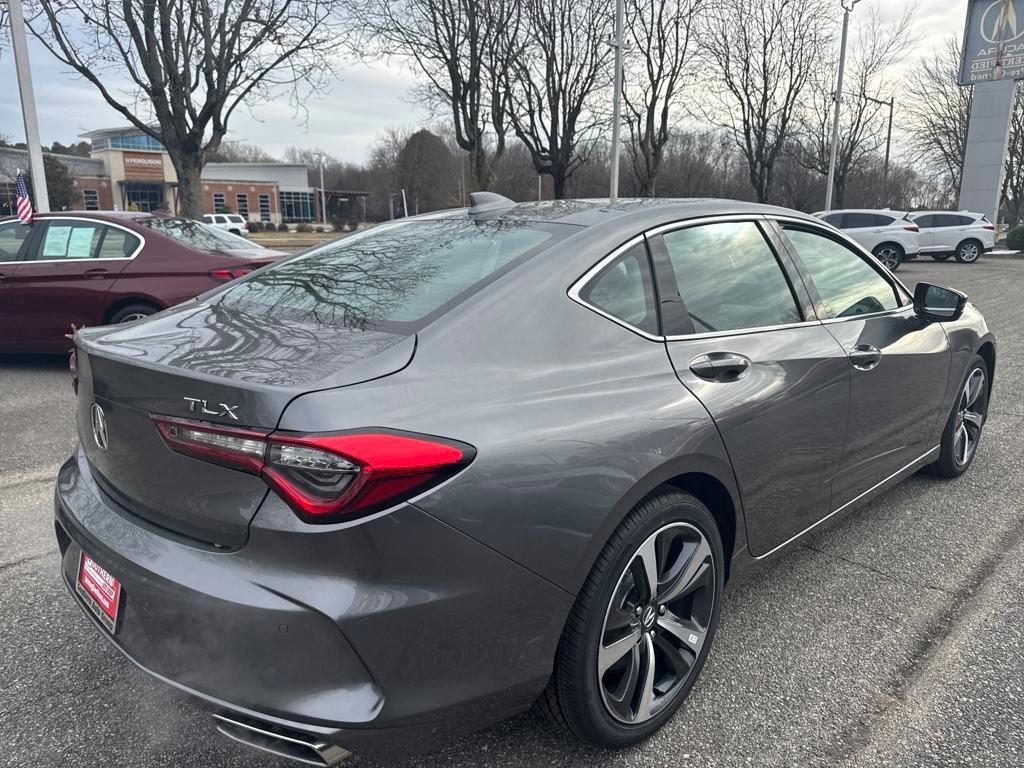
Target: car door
14 237
926 236
67 271
898 363
743 339
861 227
947 233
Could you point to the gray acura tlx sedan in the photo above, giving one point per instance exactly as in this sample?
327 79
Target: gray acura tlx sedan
413 481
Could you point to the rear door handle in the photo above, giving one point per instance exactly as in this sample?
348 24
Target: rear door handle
720 366
96 272
865 356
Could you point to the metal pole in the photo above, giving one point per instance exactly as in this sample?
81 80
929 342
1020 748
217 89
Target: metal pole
538 188
323 194
28 108
888 150
617 102
835 118
405 206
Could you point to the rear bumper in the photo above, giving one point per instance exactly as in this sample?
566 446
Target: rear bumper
322 631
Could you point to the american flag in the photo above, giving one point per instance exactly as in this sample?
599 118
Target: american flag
25 213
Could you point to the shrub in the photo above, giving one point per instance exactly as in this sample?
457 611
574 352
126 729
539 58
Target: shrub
1015 238
255 226
282 227
304 228
319 230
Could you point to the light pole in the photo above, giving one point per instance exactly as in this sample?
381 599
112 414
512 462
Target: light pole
323 192
847 9
28 107
891 104
616 42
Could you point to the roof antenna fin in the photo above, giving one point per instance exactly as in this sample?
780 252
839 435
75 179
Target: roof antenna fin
487 202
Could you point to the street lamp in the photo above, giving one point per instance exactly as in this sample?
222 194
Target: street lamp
847 10
891 104
616 42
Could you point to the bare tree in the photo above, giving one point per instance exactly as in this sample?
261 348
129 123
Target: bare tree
765 52
662 39
937 113
192 63
459 48
862 120
561 61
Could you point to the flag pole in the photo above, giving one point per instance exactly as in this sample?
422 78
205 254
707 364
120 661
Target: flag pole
28 107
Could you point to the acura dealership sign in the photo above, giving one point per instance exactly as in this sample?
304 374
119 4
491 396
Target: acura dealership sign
993 41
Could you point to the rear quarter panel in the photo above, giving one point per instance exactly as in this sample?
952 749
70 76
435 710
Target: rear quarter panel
574 417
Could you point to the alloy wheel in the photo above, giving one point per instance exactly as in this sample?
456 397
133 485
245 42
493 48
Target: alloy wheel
969 252
970 417
889 256
656 623
131 318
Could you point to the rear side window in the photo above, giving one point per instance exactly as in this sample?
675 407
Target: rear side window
847 284
624 289
835 219
925 222
118 244
858 220
729 278
396 276
883 221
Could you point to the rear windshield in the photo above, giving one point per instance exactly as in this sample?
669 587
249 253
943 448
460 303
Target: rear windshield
395 277
196 234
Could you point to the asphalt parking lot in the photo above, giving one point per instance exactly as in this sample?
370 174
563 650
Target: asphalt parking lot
895 638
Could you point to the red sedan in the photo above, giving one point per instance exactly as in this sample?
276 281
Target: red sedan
92 269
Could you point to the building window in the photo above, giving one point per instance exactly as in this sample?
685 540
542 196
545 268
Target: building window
219 204
138 141
264 207
91 198
298 206
242 204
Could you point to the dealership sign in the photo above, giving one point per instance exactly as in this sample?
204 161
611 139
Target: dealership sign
993 41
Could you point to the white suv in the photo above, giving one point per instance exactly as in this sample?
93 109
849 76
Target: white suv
890 235
955 233
230 222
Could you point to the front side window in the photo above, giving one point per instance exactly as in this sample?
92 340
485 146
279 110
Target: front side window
624 289
729 278
847 284
12 235
68 240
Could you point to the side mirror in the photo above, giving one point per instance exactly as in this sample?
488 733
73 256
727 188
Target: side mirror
937 304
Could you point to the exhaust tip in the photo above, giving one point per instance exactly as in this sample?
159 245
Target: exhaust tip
292 745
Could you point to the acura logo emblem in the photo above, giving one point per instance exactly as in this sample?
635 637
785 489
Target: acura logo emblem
99 427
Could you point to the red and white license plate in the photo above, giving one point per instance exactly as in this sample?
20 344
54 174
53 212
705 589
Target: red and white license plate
100 591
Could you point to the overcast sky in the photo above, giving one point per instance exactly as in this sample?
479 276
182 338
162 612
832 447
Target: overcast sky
361 102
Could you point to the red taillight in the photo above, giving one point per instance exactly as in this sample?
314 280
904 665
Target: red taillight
912 228
989 227
225 275
325 478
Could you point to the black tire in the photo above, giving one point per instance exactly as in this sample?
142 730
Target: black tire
131 313
951 461
576 695
890 254
969 251
941 256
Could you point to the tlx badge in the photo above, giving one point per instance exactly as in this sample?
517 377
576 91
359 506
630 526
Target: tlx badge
220 409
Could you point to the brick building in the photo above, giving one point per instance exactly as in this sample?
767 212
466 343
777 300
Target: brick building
129 170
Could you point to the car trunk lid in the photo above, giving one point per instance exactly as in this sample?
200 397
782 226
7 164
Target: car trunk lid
213 364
